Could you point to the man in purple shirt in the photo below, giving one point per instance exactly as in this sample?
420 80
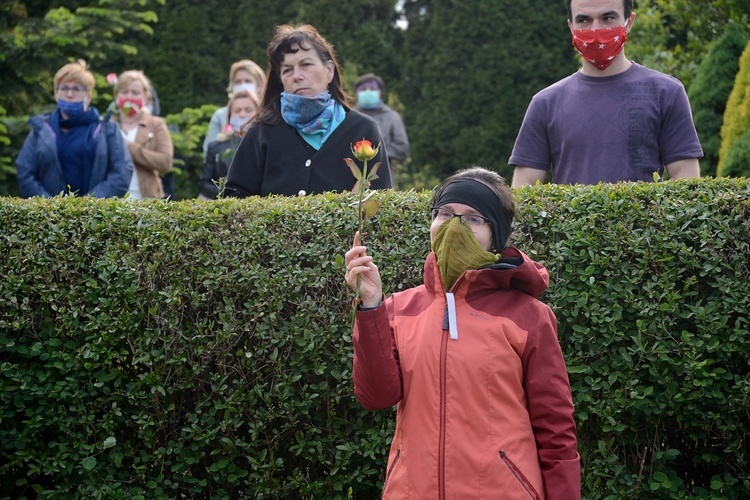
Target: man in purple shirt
613 120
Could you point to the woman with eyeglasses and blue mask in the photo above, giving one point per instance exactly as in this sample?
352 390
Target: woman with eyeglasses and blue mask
471 358
72 150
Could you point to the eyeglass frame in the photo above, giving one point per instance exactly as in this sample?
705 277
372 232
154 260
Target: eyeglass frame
435 212
76 89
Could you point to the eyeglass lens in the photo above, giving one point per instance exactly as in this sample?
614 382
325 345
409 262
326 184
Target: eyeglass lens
75 89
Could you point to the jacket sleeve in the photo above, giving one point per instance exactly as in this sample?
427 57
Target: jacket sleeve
157 152
119 165
551 410
245 176
377 374
398 144
28 168
214 127
209 174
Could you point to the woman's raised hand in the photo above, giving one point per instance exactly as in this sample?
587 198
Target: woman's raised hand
359 264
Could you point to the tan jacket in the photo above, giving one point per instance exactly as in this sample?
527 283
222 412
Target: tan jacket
152 153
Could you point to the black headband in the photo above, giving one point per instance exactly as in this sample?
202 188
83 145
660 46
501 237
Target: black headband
483 199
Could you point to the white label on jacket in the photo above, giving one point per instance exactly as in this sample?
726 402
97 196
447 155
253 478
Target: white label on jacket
452 326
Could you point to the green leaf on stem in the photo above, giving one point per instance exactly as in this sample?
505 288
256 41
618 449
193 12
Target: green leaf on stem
372 174
354 168
370 208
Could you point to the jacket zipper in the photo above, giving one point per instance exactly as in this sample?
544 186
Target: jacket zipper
441 438
525 484
449 325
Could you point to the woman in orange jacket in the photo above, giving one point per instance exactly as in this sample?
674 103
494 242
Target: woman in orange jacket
471 357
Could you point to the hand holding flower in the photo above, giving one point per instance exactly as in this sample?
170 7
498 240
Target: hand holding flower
362 274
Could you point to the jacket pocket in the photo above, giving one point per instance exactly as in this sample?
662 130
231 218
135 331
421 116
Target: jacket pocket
525 483
390 469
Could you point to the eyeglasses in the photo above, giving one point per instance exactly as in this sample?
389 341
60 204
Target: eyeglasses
76 89
445 215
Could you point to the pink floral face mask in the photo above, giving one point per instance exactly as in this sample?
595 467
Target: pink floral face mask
128 106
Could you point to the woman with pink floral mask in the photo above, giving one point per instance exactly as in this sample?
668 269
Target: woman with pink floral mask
147 136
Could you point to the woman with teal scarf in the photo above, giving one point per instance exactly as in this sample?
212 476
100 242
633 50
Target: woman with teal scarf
305 127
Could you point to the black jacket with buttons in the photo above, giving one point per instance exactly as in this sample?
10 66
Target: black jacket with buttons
275 159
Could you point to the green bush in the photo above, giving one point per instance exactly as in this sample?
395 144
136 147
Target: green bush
737 163
188 129
13 132
202 349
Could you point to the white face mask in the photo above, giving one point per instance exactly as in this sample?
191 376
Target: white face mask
250 87
236 122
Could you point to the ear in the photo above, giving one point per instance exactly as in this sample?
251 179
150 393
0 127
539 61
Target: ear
630 22
331 70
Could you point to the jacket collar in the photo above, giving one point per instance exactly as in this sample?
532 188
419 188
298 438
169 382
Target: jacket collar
515 271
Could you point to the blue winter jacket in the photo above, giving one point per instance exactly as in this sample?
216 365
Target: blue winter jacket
40 173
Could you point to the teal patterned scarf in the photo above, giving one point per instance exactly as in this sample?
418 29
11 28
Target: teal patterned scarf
311 115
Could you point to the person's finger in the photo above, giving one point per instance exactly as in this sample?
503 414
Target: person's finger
356 239
353 253
351 276
360 261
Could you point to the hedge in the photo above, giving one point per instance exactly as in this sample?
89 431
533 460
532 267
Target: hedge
202 349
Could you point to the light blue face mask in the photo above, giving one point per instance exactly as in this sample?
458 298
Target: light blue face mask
368 99
236 122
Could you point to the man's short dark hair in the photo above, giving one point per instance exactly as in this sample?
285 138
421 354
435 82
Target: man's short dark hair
626 4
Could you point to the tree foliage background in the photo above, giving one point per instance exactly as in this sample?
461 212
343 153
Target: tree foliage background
735 129
710 90
462 73
673 36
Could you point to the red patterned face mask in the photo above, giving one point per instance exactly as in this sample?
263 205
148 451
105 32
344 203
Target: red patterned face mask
128 106
600 47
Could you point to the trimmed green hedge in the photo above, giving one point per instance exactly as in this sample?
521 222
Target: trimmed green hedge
202 349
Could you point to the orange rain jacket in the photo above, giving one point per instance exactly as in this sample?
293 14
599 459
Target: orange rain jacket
484 403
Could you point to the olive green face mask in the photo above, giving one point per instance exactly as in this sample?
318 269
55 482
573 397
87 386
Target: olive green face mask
457 250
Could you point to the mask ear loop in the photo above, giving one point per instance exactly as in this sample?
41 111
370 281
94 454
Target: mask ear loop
626 23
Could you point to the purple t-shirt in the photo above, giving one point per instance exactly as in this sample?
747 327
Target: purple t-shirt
607 129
